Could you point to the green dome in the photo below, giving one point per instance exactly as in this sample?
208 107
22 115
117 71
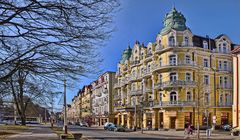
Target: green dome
126 55
174 20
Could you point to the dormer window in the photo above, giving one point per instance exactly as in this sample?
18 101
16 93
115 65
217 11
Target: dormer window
186 41
159 42
205 45
150 51
171 41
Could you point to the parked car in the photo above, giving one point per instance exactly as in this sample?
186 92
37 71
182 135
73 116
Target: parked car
226 127
235 131
116 128
83 124
106 125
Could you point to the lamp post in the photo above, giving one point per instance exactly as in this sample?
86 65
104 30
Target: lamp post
65 109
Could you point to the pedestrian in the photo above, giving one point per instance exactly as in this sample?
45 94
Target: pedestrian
189 129
185 128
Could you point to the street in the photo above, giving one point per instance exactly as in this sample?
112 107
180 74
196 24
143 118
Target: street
100 133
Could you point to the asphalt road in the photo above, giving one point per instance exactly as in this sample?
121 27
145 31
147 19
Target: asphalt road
99 134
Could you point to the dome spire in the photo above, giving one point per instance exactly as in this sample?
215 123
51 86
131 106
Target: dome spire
174 20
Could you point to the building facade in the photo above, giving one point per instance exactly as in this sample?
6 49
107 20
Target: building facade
181 78
102 103
85 104
236 87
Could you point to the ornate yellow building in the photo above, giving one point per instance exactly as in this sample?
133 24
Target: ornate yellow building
236 87
180 78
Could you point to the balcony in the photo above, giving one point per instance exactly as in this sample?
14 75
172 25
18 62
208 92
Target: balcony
171 65
228 70
99 94
136 92
134 78
224 105
117 85
148 57
134 63
117 97
158 48
174 103
148 89
227 87
172 84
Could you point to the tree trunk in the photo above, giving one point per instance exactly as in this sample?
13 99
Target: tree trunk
23 118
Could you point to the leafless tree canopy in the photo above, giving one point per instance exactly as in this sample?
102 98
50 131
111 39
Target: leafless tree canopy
53 37
42 40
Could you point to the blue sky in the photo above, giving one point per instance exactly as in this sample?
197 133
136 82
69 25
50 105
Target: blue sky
142 20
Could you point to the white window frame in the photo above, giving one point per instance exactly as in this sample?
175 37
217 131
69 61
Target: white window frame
208 79
175 75
205 45
172 59
188 78
205 63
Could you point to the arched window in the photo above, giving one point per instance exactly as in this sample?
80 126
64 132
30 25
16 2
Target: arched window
186 41
133 73
142 71
205 45
171 41
189 96
173 98
142 55
149 68
149 51
159 42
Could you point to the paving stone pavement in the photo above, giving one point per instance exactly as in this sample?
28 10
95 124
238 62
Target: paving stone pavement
35 133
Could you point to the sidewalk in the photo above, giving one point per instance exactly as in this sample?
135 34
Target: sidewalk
35 133
173 133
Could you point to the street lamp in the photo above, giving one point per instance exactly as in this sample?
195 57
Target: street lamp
65 108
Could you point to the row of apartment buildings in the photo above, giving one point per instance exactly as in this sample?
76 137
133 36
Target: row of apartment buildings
180 78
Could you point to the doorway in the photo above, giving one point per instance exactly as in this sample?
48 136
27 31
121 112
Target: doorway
161 120
172 122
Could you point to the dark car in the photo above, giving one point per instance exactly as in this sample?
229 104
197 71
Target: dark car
116 128
106 125
226 127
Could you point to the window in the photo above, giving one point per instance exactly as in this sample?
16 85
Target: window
160 61
133 73
142 71
149 51
172 60
224 48
221 99
206 98
171 41
205 62
160 78
206 79
161 97
173 77
149 68
189 96
221 80
205 45
187 59
225 82
173 98
188 77
133 86
186 41
159 42
220 65
142 55
225 65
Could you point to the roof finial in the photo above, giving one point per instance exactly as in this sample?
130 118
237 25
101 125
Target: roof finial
174 6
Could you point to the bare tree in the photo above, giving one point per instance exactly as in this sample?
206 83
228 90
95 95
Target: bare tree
63 33
50 39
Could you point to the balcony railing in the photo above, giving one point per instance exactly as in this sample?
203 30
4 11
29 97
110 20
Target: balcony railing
117 97
117 85
174 103
224 87
180 63
177 83
224 105
136 92
224 70
134 63
148 89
